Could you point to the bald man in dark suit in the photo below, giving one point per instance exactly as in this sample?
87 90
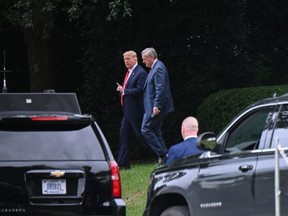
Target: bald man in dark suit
189 131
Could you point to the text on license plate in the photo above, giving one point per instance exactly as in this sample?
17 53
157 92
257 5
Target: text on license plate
54 186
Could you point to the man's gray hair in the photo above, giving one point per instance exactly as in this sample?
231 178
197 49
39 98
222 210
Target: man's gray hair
150 52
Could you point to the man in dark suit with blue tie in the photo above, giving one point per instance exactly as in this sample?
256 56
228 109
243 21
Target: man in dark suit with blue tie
189 131
131 95
158 103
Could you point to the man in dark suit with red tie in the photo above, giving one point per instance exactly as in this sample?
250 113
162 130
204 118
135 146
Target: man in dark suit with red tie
131 98
158 103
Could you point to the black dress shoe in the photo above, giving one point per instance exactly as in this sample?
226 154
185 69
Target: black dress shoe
161 160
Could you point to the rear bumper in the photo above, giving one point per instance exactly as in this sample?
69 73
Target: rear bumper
115 208
120 207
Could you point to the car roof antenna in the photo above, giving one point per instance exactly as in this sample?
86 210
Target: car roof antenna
4 89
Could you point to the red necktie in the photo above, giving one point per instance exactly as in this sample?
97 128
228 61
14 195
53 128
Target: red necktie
124 85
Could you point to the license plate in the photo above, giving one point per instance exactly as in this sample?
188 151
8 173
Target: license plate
53 186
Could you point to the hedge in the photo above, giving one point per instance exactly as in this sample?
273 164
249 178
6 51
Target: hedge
221 107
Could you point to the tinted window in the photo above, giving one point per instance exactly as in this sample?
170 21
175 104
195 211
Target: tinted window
248 133
72 144
281 130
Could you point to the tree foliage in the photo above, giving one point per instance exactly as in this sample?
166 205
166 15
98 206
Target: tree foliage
26 13
37 18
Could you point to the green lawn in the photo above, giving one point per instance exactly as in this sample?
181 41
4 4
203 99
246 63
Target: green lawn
134 187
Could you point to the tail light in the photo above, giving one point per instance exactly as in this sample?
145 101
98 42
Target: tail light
116 182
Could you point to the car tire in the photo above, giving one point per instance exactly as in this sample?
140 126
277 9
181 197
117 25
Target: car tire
176 211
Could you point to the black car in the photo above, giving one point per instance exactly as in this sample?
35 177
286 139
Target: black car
54 160
235 177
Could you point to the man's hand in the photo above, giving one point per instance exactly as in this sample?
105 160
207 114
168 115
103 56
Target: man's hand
120 88
156 111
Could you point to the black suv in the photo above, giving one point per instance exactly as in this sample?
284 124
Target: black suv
237 177
54 160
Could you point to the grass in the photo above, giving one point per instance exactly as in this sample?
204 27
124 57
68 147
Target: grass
134 187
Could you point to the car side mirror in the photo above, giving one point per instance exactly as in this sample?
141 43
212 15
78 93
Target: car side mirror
207 141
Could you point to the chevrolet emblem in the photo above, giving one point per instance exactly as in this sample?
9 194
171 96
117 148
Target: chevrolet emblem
57 173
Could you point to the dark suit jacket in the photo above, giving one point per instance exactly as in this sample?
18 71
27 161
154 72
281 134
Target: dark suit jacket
157 91
133 107
183 149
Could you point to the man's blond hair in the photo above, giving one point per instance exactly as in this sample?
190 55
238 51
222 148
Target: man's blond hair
130 52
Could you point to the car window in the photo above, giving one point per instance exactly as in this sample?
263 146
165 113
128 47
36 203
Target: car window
248 133
71 143
281 129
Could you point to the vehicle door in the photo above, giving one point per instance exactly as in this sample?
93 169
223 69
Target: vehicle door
265 173
226 180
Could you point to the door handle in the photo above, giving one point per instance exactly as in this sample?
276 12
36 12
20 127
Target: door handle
245 168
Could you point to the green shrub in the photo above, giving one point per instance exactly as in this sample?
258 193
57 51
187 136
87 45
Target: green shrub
221 107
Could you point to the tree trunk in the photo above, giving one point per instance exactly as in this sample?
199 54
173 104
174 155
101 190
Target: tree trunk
39 61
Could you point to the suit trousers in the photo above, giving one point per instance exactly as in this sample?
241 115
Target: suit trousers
152 134
129 130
